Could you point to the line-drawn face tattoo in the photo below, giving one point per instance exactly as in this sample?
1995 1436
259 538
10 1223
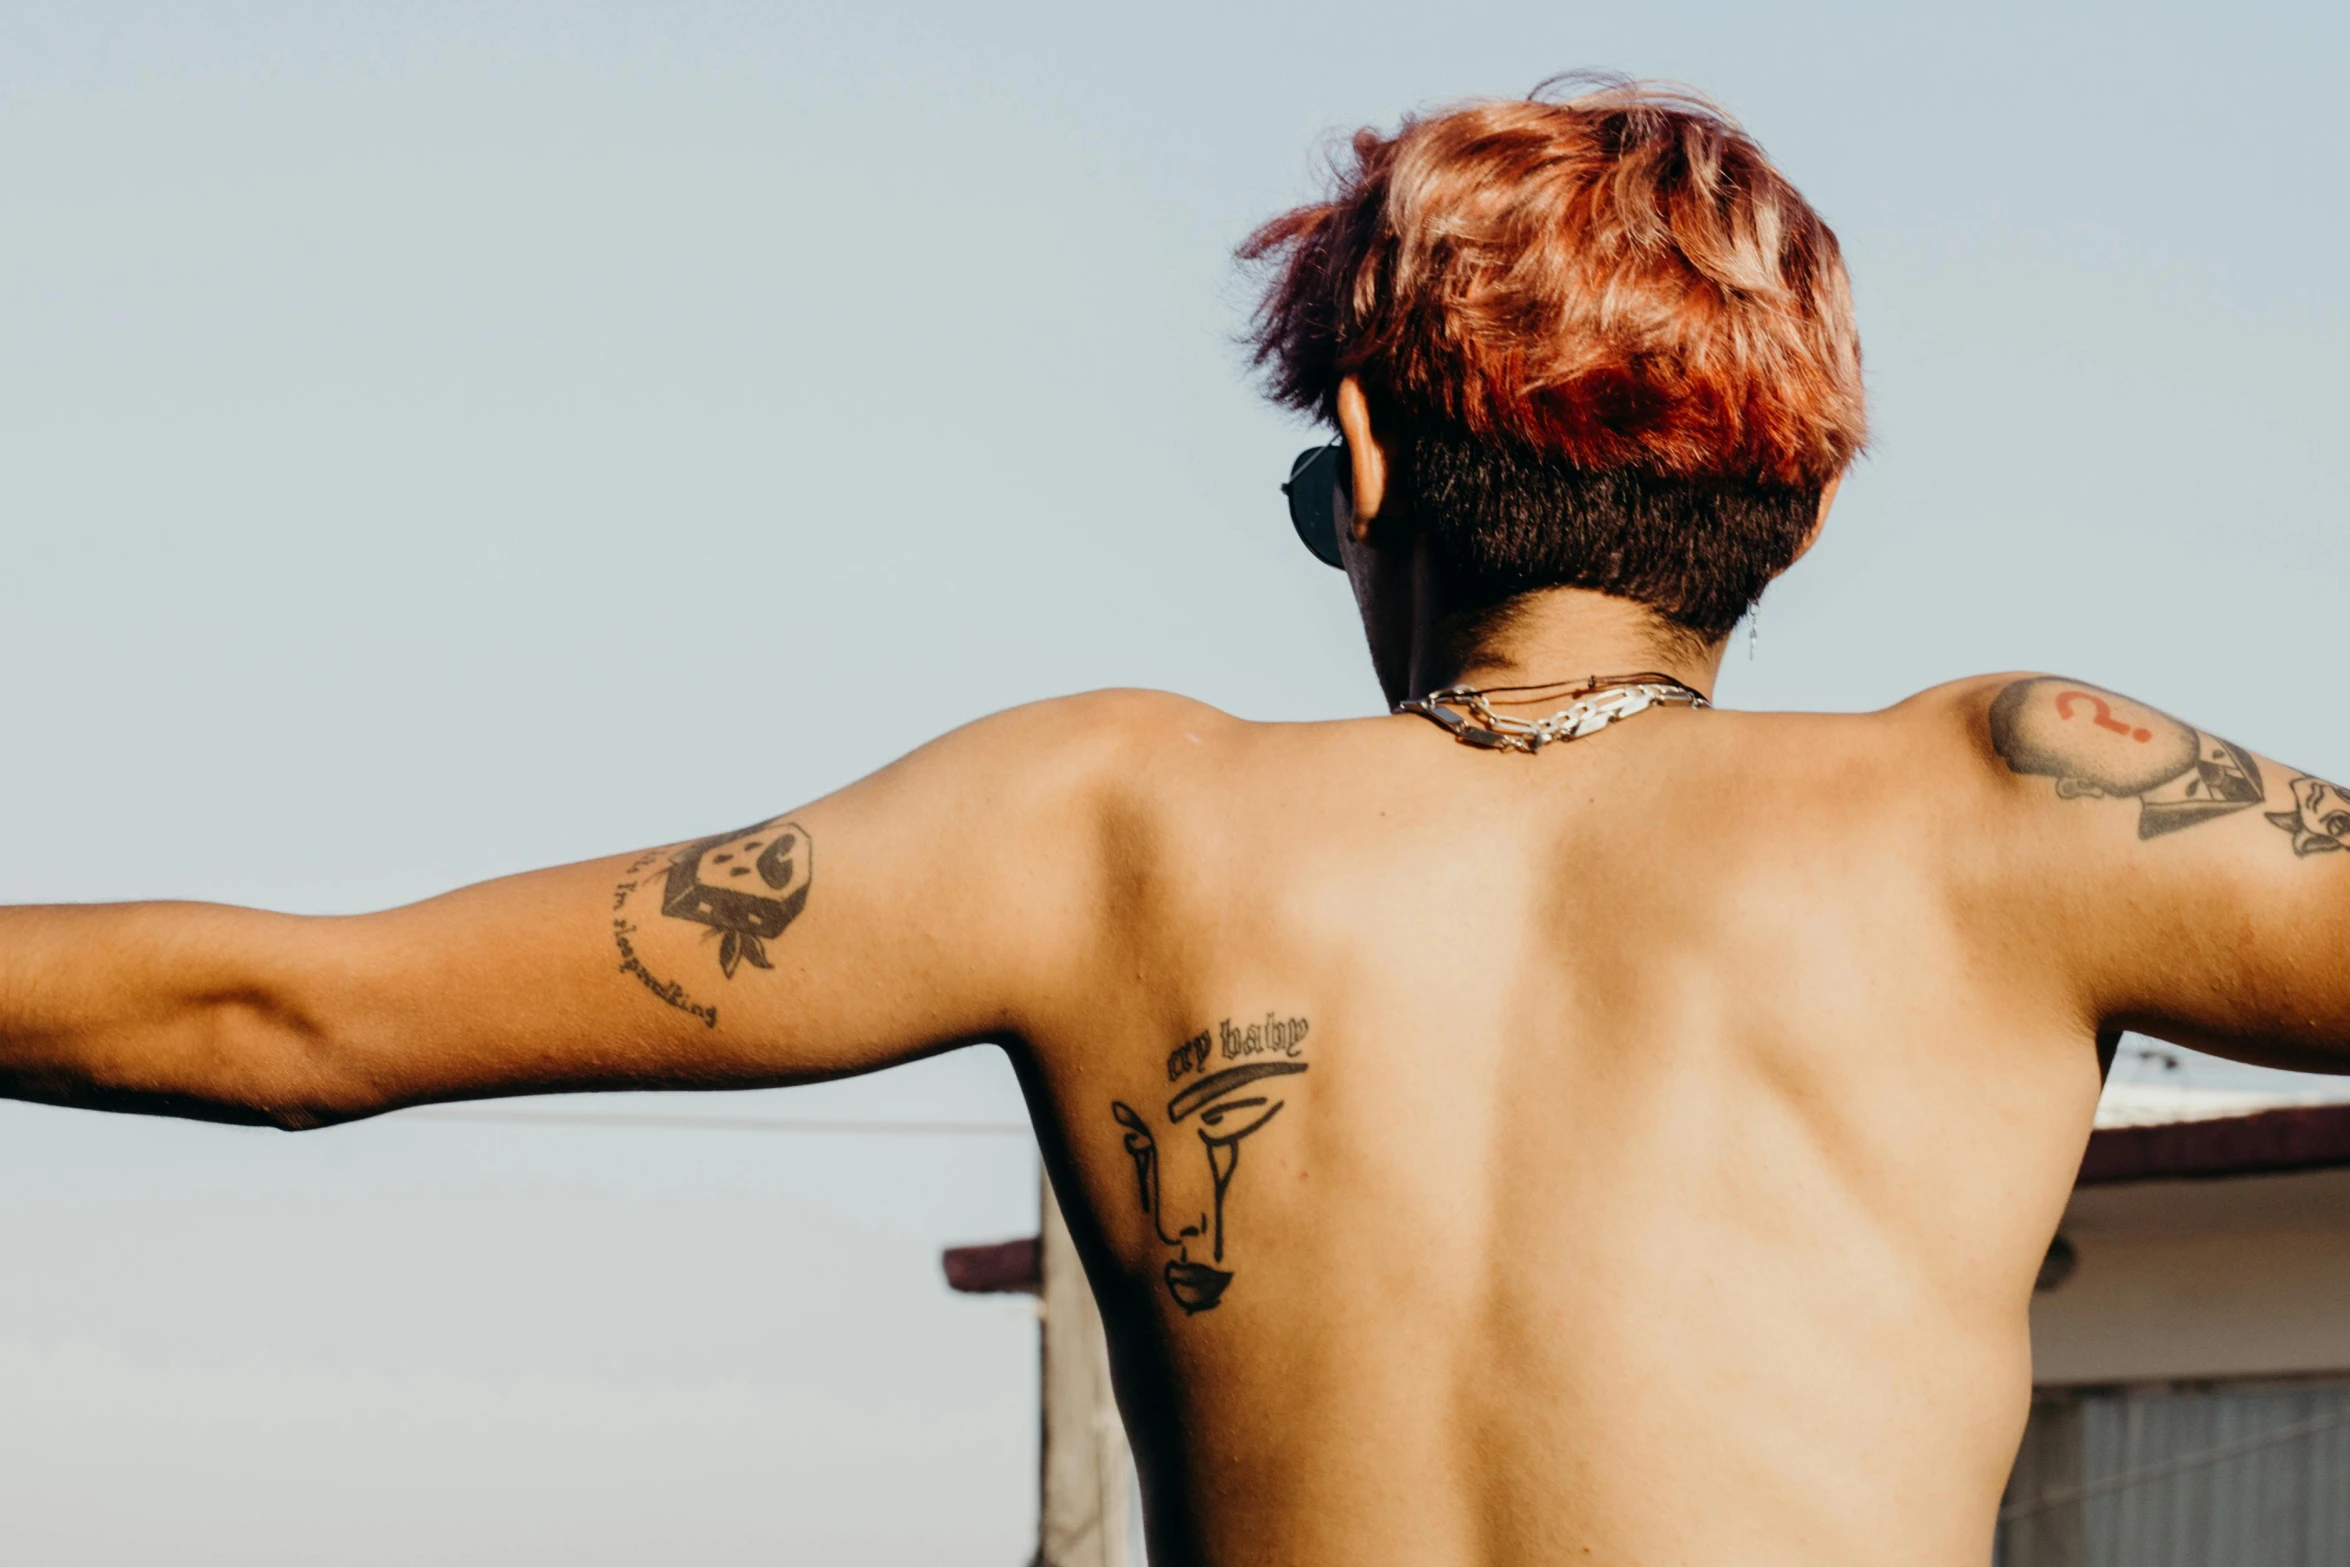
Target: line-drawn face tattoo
1229 1105
2179 775
745 885
2320 818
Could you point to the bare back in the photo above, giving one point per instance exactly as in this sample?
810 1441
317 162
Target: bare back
1643 1149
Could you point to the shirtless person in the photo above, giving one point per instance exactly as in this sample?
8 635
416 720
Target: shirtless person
1632 1148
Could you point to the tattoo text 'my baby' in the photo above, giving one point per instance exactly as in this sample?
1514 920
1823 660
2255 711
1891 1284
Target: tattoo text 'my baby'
1274 1036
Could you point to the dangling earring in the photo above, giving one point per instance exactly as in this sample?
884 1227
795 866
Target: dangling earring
1753 629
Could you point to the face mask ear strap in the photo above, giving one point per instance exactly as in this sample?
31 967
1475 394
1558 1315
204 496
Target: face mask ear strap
1316 479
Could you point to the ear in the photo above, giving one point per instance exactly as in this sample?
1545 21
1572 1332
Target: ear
1827 499
1367 458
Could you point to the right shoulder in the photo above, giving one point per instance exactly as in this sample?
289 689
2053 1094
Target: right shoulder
1969 769
2159 869
2041 736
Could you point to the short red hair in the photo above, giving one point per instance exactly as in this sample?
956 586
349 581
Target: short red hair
1620 280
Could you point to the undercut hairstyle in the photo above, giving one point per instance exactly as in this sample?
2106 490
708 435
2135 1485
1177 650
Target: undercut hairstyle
1609 344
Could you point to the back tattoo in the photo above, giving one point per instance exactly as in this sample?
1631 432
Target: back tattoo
1230 1104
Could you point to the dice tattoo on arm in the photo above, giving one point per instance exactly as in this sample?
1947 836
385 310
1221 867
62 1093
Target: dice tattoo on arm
744 888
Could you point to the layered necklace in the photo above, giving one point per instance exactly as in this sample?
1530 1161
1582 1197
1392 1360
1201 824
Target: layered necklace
1598 701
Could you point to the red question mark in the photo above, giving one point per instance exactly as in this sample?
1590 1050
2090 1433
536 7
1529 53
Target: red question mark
2105 718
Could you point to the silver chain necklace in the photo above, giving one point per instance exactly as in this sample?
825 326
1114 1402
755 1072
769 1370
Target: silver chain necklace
1466 713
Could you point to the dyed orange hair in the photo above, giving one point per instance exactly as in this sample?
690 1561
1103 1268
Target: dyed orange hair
1620 280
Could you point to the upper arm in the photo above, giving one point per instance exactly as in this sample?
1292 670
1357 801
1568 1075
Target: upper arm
2190 889
931 904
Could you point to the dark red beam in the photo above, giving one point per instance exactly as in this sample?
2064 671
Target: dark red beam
1004 1268
2272 1142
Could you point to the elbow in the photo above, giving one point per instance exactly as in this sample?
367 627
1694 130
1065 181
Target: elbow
289 1069
316 1111
316 1102
308 1118
312 1112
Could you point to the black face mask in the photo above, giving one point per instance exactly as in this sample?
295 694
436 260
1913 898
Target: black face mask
1313 490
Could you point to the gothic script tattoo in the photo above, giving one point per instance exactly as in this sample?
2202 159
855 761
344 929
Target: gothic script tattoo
745 887
2067 731
1230 1104
2320 818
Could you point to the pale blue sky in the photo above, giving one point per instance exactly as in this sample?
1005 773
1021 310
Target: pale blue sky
444 439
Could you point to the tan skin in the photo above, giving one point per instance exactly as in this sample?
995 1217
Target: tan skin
1638 1152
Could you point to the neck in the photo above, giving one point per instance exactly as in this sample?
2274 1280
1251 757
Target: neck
1559 634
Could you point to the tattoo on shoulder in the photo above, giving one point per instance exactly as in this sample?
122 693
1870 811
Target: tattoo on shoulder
2100 745
2320 818
1184 1197
744 887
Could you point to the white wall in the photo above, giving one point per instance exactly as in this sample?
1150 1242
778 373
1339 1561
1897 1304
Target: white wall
2184 1280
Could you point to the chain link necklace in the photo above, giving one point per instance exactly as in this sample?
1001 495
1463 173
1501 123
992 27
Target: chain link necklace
1465 713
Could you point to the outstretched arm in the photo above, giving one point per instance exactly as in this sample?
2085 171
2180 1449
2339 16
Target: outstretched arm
2198 892
932 904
